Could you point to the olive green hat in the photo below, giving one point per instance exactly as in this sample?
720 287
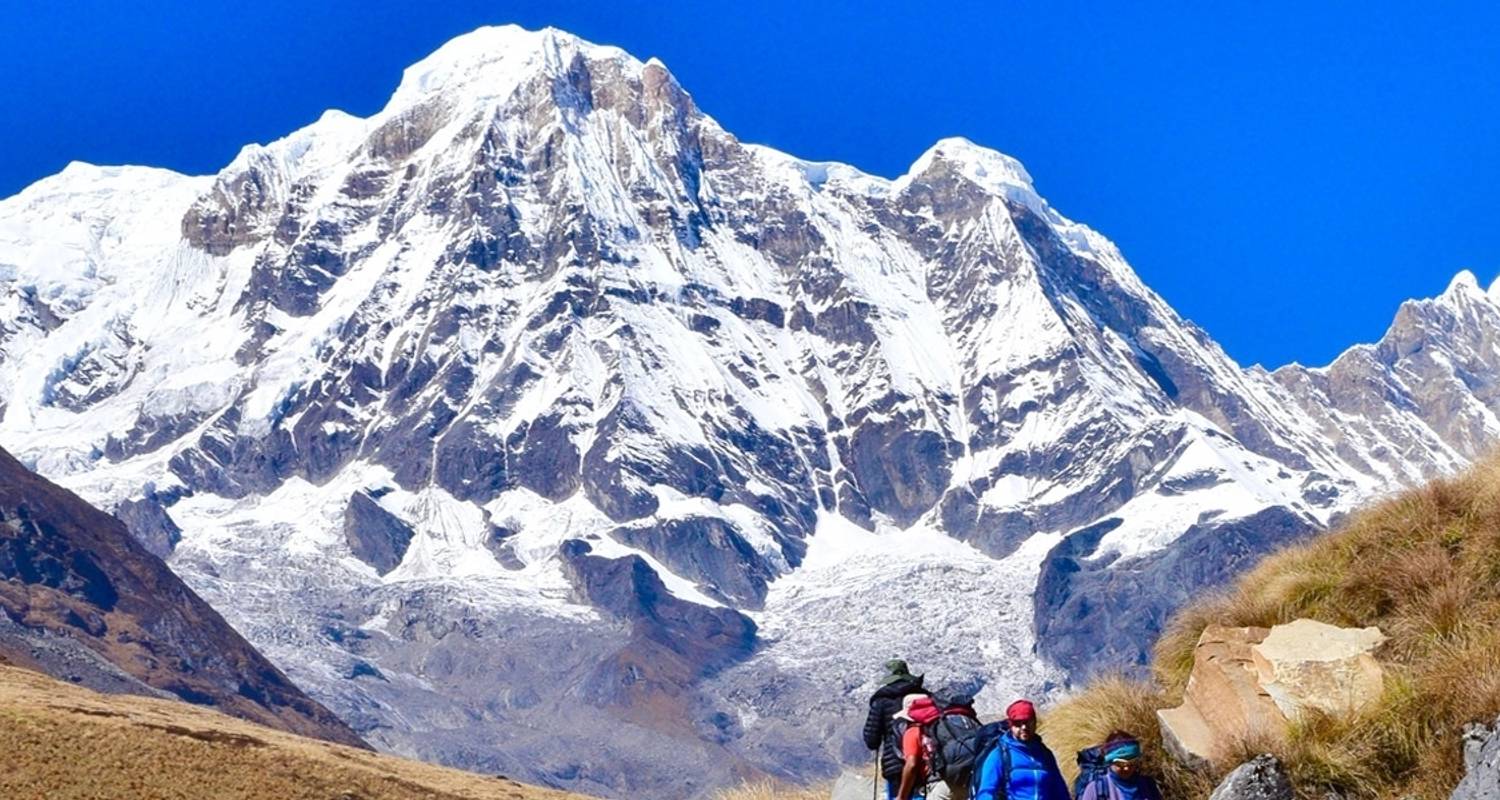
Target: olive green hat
896 670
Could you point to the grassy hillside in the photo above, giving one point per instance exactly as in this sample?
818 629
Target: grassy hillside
1424 567
772 790
61 741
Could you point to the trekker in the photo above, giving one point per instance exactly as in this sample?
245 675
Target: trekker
1020 767
914 764
884 703
1124 780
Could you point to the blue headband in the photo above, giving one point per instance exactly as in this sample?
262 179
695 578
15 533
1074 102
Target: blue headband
1124 751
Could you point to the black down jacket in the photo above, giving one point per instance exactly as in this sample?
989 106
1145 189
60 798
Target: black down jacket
883 706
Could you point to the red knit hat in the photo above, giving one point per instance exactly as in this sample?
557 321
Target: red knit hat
1020 711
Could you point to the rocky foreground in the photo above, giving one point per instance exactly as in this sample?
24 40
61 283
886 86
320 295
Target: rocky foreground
62 741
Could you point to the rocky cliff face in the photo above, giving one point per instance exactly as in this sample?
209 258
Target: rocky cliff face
538 394
1420 402
1481 779
82 600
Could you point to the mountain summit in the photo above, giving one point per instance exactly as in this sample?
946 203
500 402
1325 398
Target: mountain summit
538 395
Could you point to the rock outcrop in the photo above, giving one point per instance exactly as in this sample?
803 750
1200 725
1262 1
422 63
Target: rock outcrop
1248 683
1223 701
148 521
375 536
1261 778
1481 779
1307 664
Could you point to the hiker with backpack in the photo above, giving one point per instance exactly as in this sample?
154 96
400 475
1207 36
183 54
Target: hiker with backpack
935 740
953 741
885 703
916 711
1112 771
1016 765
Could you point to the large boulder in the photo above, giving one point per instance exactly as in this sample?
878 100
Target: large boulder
1247 683
1481 779
1306 664
1223 703
1261 778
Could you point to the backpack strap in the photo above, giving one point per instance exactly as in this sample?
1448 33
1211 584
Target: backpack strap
1004 788
981 756
893 736
897 744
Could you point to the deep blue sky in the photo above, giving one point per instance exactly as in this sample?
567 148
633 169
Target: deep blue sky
1283 176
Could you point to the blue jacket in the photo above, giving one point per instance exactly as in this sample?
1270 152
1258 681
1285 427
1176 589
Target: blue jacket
1033 773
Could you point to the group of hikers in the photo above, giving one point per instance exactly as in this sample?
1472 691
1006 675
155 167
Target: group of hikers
931 748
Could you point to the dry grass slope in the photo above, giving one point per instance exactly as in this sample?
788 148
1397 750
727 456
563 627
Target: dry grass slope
63 742
1425 568
773 790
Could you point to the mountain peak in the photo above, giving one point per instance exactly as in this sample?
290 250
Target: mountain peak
1465 286
490 62
990 169
1464 281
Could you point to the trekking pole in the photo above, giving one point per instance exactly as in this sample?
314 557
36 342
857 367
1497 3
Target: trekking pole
875 785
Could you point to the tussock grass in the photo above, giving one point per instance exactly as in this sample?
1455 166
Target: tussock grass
775 790
1424 567
1110 704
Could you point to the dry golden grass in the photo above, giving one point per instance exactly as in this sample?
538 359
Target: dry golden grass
62 742
1107 705
775 790
1424 567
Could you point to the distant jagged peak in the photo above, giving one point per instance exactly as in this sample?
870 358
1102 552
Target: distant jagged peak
1463 295
461 78
1463 283
320 144
1465 287
993 171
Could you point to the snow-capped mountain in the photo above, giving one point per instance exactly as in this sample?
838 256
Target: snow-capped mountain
535 424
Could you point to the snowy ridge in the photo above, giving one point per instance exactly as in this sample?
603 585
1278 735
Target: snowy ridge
539 366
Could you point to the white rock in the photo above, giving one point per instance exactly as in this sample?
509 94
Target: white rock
1312 665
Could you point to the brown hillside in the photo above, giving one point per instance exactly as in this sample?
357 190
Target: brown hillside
62 741
81 599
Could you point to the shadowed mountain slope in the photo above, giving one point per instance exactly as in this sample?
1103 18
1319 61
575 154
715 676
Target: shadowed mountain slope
81 599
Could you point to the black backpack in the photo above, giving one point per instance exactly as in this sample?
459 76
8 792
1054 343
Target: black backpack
985 739
1091 769
954 744
949 743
